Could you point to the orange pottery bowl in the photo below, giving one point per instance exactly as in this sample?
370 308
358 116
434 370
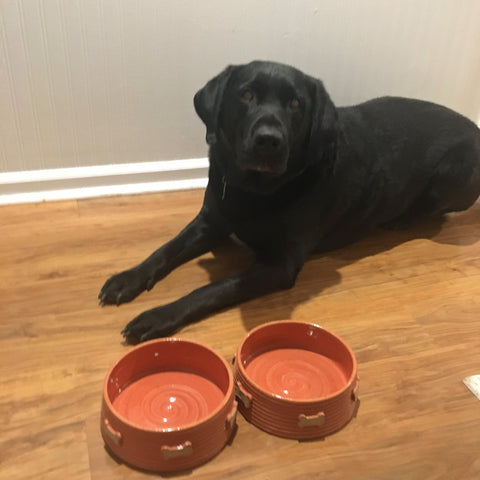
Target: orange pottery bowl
168 405
296 380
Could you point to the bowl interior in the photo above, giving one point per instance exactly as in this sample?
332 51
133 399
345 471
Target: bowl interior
168 384
296 361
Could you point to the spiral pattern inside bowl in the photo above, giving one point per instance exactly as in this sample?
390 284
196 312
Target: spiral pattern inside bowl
168 400
296 374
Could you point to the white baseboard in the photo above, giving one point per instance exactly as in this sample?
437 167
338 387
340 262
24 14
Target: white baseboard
32 186
95 181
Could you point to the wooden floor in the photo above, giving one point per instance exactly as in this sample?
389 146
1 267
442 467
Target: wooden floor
408 303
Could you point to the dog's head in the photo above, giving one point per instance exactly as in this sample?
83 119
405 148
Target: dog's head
266 123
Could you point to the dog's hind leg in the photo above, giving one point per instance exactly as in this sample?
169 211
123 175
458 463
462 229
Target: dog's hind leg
453 187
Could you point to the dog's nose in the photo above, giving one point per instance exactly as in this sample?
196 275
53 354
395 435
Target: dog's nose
268 140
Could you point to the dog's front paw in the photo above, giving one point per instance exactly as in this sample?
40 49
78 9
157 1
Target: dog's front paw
155 323
124 287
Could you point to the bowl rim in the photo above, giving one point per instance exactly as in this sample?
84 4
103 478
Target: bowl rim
242 374
227 397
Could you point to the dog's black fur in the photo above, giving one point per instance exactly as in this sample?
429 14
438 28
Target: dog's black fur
291 174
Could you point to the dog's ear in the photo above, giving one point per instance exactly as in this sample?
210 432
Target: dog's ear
324 126
207 102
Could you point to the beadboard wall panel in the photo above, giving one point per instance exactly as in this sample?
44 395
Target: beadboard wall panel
101 82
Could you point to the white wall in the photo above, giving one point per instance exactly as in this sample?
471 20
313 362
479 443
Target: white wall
99 82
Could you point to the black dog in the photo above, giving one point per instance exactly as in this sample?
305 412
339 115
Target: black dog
291 174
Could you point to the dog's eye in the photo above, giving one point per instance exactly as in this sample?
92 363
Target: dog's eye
247 95
294 104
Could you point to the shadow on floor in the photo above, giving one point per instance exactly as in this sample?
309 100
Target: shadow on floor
321 271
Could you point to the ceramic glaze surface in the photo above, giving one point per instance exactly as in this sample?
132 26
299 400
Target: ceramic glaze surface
168 400
296 374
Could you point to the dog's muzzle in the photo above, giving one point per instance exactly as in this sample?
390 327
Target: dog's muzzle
267 150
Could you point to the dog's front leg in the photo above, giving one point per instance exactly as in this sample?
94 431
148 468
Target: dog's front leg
261 278
198 237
